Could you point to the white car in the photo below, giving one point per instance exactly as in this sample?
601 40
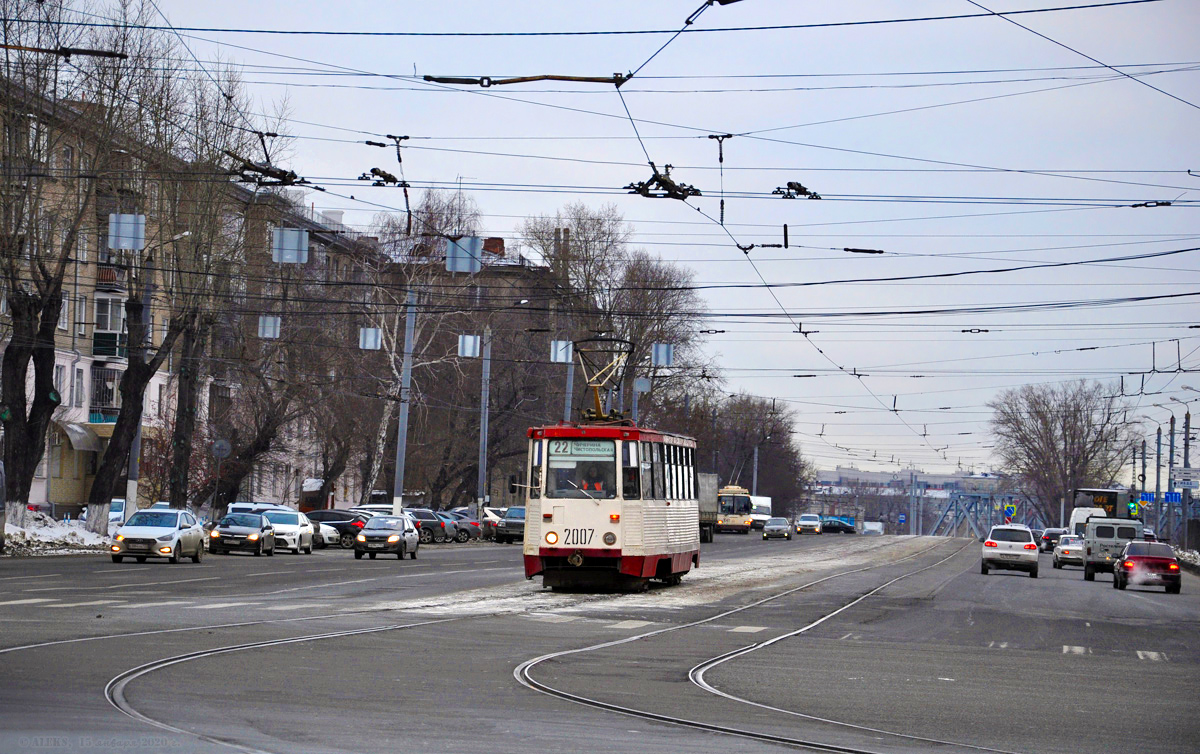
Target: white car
169 534
116 511
293 530
326 535
809 522
1010 547
1069 550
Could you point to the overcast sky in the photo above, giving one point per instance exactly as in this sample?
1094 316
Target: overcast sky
952 145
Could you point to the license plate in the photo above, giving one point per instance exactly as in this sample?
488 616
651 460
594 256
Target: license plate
1010 556
375 546
139 547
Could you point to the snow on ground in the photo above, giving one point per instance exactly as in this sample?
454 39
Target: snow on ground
43 535
1191 557
714 580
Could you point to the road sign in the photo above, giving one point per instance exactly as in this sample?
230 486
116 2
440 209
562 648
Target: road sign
1187 475
1189 484
221 449
1172 497
1010 510
1008 519
1147 497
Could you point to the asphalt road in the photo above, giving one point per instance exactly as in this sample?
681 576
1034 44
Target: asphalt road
323 653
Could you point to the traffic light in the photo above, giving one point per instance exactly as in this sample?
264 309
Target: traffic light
1133 508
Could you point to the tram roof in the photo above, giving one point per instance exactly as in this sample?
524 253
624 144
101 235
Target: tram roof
611 432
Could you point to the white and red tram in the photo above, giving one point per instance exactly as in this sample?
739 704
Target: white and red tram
610 505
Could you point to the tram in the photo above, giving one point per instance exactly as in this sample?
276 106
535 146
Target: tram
609 504
735 509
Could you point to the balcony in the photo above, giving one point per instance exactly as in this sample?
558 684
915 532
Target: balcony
109 344
106 397
110 277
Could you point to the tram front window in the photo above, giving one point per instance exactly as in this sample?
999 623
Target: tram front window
734 505
581 469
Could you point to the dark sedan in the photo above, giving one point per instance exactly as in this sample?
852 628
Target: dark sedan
1049 538
836 526
247 532
347 523
395 535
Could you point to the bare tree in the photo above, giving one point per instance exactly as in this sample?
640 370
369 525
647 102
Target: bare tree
1056 438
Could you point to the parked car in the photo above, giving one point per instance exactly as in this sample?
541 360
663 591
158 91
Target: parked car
1068 551
251 507
387 534
1148 564
836 526
808 523
248 532
429 525
450 533
325 535
116 511
159 534
293 530
468 528
1010 547
512 527
776 527
1049 538
347 523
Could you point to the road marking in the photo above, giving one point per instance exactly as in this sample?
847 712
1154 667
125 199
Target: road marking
1152 656
86 604
137 605
160 583
316 586
298 607
630 624
554 618
42 576
1072 650
324 570
847 636
749 629
29 601
53 589
267 573
218 605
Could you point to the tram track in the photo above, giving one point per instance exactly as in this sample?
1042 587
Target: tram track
523 672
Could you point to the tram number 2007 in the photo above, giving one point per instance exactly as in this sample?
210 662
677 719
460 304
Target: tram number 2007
578 536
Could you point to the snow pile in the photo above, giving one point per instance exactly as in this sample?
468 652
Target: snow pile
1190 557
42 535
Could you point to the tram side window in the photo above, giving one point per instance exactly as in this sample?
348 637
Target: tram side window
669 470
690 472
656 457
535 469
677 469
629 471
647 472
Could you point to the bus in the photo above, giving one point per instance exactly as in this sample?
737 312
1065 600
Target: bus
734 509
609 506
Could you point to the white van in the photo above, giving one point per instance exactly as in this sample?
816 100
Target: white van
1079 517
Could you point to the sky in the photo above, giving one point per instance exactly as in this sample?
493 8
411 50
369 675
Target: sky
953 146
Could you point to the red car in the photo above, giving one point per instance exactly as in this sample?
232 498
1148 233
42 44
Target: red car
1147 563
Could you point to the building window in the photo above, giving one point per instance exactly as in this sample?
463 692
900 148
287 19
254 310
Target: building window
81 315
60 373
110 315
162 399
77 389
81 246
64 314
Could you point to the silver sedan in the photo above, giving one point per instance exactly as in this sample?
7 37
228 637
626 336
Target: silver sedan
777 527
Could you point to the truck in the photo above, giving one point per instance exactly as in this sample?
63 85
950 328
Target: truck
1104 540
706 499
760 511
872 527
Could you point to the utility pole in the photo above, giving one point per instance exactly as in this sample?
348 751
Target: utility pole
1187 464
1158 480
410 323
485 390
1171 483
570 389
754 477
1142 478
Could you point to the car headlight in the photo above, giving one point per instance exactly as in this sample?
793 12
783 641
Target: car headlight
552 537
361 538
166 538
394 538
252 537
214 533
120 537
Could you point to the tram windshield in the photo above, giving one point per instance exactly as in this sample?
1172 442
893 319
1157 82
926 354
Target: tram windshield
734 505
581 469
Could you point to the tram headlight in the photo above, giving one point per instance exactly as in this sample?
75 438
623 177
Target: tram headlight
552 537
610 538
